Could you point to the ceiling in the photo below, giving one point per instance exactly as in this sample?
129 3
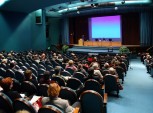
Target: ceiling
68 7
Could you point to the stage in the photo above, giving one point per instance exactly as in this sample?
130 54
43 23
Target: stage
94 49
101 49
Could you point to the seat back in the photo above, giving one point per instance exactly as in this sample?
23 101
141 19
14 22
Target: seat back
92 84
5 103
110 83
41 71
65 73
104 72
42 90
28 88
59 80
49 109
79 76
91 102
34 71
120 72
16 85
10 73
74 83
19 76
20 104
2 72
24 68
68 94
71 71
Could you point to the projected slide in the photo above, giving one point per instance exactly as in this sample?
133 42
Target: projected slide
106 27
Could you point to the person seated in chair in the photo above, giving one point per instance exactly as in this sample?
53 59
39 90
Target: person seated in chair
28 77
58 73
53 99
7 85
71 65
46 78
82 70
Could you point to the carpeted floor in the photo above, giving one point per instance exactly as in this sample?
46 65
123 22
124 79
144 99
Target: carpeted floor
137 96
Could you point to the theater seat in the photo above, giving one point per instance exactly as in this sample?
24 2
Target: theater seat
50 109
5 103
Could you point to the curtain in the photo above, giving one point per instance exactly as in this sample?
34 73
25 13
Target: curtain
146 29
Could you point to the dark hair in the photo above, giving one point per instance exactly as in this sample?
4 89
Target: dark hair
12 65
91 71
46 75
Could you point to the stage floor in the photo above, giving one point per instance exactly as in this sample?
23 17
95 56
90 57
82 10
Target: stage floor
95 49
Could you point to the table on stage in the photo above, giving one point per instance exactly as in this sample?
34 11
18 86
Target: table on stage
102 43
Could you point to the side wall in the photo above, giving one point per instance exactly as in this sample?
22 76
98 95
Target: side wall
19 32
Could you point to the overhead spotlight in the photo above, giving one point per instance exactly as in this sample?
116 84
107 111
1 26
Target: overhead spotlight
123 2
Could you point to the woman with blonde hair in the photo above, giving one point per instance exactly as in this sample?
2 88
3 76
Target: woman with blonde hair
71 65
53 99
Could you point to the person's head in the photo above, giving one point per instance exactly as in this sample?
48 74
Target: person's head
43 56
117 63
94 59
57 70
53 90
4 61
6 83
79 66
22 111
12 65
106 65
90 71
112 70
46 75
28 74
70 62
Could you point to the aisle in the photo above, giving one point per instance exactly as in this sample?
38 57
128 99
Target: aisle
137 96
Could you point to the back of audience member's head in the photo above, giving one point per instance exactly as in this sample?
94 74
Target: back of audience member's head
94 59
12 65
117 63
91 71
106 65
22 111
28 74
57 70
46 75
79 66
70 62
53 90
112 70
6 83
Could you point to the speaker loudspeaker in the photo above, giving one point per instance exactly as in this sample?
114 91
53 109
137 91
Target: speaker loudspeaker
38 16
